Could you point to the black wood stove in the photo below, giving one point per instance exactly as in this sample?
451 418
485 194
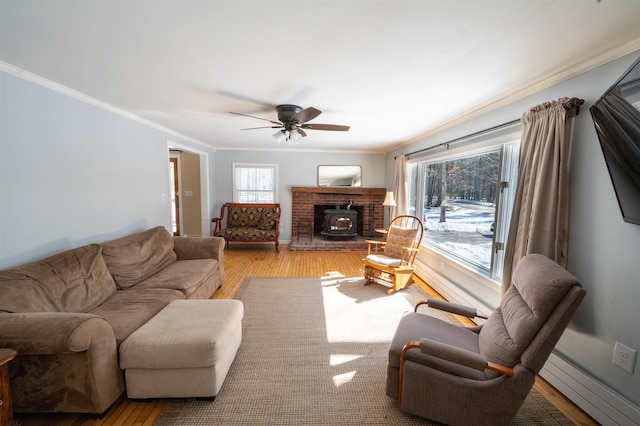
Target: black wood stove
340 223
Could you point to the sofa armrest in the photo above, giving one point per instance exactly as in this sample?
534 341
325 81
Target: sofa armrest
188 248
41 333
66 362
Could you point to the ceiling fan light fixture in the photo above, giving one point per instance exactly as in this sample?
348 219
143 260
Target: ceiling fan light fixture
295 135
292 119
280 136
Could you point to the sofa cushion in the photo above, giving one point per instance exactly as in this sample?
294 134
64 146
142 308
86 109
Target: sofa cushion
416 326
185 334
247 234
383 260
184 275
127 310
136 257
72 281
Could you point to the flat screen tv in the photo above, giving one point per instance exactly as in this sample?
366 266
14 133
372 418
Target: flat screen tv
616 116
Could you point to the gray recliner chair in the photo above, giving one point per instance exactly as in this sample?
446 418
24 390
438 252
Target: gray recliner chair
481 375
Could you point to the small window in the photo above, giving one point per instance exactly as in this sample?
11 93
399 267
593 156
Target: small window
254 183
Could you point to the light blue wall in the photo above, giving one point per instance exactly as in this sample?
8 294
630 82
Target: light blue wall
604 251
294 169
72 173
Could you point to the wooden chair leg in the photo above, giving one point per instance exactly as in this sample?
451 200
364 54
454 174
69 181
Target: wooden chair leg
367 275
402 279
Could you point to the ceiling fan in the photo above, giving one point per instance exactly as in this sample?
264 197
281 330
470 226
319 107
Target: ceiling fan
292 121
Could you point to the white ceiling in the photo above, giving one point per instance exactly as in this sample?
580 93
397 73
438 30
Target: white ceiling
391 69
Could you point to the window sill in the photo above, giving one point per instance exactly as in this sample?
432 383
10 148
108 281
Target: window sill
458 283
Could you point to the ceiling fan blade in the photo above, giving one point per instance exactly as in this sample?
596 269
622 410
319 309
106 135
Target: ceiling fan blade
302 132
315 126
253 116
306 114
238 96
263 127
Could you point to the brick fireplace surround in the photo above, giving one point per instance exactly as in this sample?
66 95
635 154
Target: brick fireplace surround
366 200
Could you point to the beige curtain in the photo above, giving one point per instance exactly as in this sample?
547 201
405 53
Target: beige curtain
540 218
400 187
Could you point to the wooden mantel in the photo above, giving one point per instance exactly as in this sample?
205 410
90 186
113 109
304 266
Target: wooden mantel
348 190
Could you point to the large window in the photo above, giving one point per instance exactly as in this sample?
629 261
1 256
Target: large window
465 201
255 183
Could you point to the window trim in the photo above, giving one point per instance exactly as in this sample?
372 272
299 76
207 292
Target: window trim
474 145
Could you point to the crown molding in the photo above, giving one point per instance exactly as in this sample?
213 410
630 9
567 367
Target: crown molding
539 85
74 94
300 150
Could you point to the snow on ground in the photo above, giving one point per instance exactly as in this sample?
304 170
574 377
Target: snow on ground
467 230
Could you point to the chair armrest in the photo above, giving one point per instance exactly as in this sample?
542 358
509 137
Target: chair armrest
454 308
218 220
456 355
409 255
461 356
277 226
217 225
53 332
448 353
376 245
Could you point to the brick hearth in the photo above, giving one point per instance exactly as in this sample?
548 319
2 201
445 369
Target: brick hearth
304 236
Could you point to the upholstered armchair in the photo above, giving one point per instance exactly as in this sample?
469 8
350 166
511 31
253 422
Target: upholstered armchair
391 262
481 375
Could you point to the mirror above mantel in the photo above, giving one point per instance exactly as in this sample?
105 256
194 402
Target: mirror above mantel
339 176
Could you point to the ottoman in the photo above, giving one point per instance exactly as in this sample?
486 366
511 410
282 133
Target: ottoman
184 351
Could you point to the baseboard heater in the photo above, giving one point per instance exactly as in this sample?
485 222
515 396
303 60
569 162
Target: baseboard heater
595 398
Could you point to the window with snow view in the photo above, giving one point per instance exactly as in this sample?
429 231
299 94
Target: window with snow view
465 204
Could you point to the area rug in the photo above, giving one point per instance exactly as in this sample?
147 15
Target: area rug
314 352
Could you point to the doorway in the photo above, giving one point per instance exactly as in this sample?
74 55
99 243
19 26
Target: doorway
188 185
174 181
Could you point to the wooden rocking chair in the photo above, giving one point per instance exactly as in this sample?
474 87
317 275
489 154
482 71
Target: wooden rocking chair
391 262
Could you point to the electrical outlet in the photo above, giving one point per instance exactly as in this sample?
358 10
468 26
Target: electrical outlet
624 357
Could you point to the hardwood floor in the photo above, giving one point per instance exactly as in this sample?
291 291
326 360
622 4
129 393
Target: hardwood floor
262 261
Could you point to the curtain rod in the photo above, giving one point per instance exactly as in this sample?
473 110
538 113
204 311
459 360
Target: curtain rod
571 103
446 144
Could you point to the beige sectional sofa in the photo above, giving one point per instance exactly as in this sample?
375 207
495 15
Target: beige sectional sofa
66 315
